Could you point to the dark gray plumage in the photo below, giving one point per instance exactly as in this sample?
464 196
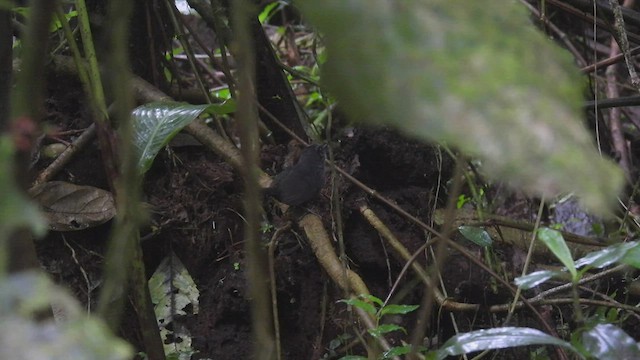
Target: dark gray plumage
303 181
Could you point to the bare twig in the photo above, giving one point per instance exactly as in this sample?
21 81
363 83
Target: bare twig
623 41
615 124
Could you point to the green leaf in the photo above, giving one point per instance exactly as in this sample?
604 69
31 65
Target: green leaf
372 298
496 338
226 107
368 307
462 199
632 257
609 342
155 124
464 73
384 329
22 10
397 351
535 278
398 309
222 94
608 255
267 12
56 24
555 242
612 315
476 235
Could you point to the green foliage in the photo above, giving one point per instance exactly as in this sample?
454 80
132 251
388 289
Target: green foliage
222 94
471 74
477 235
497 338
604 341
266 227
376 307
268 11
155 124
626 253
555 242
462 199
318 105
609 342
57 25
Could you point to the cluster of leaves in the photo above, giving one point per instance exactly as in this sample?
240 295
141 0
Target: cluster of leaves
600 338
376 308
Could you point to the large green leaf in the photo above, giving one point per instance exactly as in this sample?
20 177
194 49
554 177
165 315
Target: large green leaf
536 278
609 255
554 240
473 74
496 338
477 235
609 342
626 253
155 124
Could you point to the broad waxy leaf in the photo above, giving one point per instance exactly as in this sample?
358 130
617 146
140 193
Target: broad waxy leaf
555 242
609 342
625 253
155 124
535 278
477 235
473 74
496 338
608 255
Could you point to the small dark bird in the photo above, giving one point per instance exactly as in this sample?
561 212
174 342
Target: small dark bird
303 181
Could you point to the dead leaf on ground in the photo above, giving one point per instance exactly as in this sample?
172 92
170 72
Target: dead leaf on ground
71 207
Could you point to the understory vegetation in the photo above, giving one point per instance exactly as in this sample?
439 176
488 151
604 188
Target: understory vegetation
479 198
